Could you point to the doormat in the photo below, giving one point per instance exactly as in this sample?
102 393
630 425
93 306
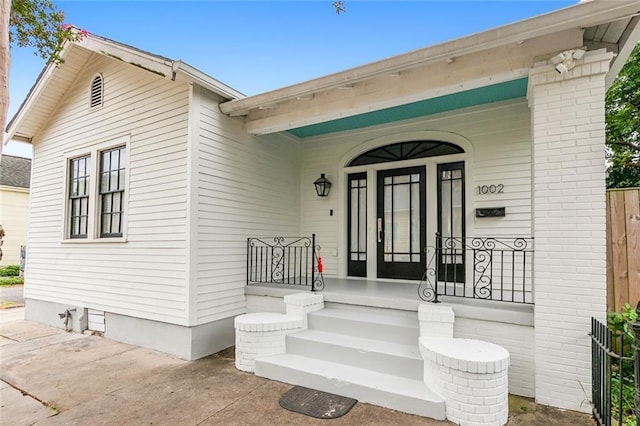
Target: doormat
315 403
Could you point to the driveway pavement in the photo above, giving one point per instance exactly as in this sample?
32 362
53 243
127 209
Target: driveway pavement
14 294
50 377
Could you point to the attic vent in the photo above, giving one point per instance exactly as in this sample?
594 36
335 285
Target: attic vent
96 91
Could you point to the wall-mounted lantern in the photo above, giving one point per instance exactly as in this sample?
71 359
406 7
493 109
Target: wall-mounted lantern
322 185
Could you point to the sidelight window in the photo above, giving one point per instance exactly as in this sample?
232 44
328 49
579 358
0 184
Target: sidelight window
451 221
357 238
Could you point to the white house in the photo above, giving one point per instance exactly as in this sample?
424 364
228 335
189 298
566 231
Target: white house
149 177
15 177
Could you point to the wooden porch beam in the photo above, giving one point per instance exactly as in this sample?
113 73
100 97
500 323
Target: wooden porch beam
431 80
626 45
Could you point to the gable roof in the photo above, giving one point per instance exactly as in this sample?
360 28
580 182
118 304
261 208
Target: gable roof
56 80
15 171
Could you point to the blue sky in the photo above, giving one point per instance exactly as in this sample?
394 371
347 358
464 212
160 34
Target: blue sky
256 46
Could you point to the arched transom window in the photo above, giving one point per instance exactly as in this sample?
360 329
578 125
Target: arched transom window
405 151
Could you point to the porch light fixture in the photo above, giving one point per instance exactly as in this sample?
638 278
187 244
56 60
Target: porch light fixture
322 185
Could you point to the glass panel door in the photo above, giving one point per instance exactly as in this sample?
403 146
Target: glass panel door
401 236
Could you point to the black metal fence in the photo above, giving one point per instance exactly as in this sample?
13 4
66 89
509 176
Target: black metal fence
612 374
285 260
488 268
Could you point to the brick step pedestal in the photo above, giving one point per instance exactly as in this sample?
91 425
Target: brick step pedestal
471 376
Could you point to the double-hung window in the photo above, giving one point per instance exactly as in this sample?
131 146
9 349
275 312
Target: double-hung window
96 193
112 179
79 189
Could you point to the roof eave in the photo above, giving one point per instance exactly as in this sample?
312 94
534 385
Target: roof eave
29 101
164 67
583 14
206 81
156 64
628 41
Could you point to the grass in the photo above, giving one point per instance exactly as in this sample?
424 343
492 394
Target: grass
520 405
5 304
628 398
7 281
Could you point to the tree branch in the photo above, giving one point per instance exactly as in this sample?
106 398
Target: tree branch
628 144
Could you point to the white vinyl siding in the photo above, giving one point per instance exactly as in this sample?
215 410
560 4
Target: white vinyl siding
501 139
247 186
144 276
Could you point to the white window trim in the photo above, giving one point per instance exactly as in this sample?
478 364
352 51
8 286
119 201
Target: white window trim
371 169
93 227
431 164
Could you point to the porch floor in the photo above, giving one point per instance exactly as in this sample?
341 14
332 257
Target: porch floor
384 294
401 295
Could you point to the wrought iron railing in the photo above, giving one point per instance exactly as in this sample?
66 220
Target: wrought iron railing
488 268
285 260
612 377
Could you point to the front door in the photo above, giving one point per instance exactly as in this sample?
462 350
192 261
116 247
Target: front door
400 225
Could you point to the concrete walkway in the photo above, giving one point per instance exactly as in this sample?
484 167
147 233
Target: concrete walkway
13 294
51 377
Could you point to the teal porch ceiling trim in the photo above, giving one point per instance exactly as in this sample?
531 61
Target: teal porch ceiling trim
483 95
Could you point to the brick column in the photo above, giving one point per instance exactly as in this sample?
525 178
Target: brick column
300 304
568 128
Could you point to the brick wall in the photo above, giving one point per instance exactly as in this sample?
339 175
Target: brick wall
569 225
519 340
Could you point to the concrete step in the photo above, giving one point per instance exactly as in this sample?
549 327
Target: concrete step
373 323
386 390
384 357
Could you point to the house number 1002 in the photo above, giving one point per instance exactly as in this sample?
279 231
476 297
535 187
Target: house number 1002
490 189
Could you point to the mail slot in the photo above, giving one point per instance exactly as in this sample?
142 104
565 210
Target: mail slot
490 212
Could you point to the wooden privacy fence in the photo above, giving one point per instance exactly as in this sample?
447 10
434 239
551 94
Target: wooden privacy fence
623 248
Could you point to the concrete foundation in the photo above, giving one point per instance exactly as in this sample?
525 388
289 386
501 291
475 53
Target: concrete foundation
188 343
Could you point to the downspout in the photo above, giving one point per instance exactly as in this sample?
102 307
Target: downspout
66 316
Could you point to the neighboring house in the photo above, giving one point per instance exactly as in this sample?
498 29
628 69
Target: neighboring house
15 176
149 176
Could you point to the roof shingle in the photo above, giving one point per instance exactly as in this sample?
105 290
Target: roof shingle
15 171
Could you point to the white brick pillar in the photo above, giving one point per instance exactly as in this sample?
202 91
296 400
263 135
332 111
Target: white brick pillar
300 304
435 320
567 120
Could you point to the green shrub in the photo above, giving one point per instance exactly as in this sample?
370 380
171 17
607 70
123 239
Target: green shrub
628 398
11 280
618 323
10 271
